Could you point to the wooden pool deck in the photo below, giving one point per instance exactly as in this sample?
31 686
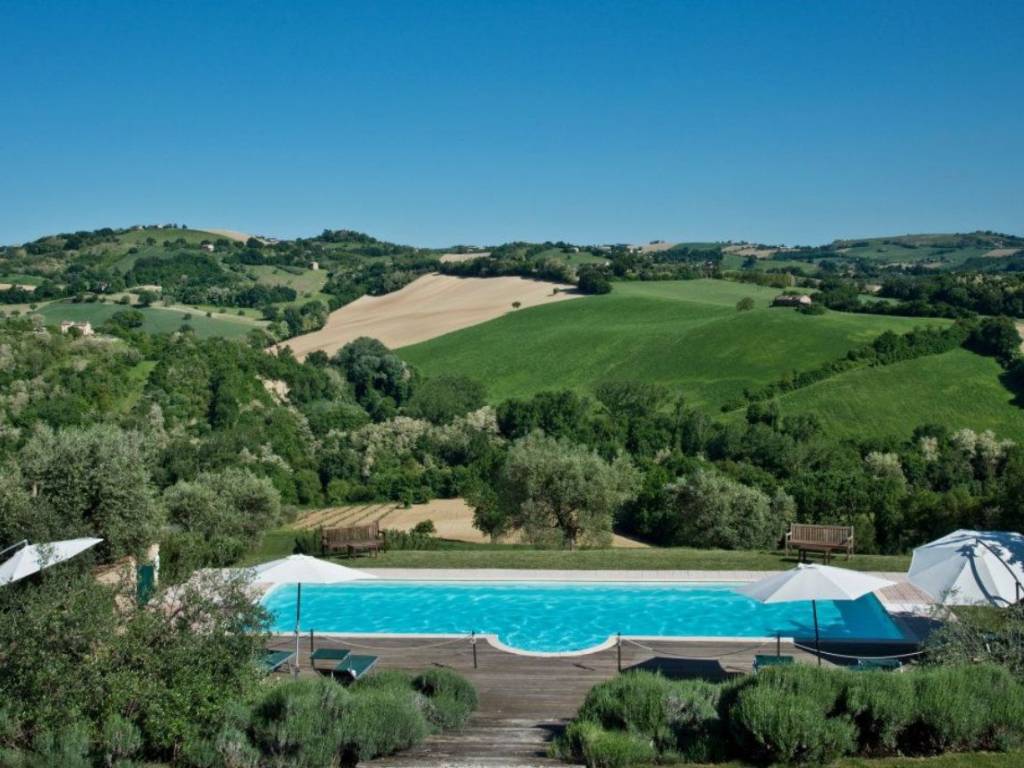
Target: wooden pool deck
526 700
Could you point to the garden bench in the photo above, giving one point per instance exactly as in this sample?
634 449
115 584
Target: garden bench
352 539
819 538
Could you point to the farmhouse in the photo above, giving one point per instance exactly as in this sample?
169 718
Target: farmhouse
314 265
85 327
791 300
208 247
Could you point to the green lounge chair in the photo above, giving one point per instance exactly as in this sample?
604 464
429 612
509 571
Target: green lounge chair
762 660
884 664
274 660
329 654
353 668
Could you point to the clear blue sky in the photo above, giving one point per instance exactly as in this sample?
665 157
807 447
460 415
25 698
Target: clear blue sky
441 122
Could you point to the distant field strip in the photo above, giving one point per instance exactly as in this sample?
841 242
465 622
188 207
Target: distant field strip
452 518
428 307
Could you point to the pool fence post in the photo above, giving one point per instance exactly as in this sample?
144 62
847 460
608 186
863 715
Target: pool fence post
473 641
618 650
778 644
311 644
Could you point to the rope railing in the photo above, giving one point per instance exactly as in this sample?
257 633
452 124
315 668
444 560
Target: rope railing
859 655
375 647
745 649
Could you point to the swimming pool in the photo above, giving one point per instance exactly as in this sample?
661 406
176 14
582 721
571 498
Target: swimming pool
566 616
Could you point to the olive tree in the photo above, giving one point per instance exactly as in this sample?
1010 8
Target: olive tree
559 492
713 510
94 480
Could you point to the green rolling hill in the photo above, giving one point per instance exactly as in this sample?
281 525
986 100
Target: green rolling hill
689 336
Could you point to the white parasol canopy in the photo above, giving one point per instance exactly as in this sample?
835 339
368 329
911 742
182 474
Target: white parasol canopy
303 569
813 583
300 569
33 558
971 568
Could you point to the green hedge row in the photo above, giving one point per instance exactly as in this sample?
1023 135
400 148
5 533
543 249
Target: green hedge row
297 723
796 715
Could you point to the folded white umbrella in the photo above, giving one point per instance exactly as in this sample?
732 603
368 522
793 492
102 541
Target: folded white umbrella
971 568
303 569
33 558
813 583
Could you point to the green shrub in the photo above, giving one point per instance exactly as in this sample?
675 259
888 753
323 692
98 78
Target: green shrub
119 739
394 679
782 727
596 747
979 707
692 720
67 748
882 706
450 697
302 721
380 721
632 701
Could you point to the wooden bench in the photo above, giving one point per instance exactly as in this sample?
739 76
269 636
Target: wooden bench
353 539
819 538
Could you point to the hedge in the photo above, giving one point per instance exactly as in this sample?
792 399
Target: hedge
796 715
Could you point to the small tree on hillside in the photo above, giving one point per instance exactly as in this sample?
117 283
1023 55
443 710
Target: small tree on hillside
745 304
559 492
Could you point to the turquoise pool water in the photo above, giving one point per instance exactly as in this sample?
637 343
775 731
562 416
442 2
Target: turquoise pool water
567 616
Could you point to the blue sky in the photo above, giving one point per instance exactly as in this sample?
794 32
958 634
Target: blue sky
441 122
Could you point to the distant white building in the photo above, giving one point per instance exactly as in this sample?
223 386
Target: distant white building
314 265
208 247
85 327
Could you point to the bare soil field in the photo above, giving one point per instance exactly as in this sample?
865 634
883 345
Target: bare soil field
654 247
450 258
431 306
999 253
751 250
452 518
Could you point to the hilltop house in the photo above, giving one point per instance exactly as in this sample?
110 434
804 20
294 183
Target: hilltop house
791 300
208 247
85 327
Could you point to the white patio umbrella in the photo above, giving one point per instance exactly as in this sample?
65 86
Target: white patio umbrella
971 568
303 569
813 583
33 558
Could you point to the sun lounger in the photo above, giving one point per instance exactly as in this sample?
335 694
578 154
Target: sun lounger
274 660
764 660
886 664
329 654
353 668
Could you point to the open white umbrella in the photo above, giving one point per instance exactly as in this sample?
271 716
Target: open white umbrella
303 569
971 568
813 583
33 558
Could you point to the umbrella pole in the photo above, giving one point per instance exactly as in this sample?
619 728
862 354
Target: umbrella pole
817 636
298 615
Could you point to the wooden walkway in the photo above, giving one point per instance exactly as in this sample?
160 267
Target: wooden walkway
526 700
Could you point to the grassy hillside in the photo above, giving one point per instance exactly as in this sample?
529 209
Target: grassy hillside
687 335
958 389
157 319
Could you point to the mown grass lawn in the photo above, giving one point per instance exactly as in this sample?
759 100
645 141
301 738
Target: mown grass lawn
281 542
